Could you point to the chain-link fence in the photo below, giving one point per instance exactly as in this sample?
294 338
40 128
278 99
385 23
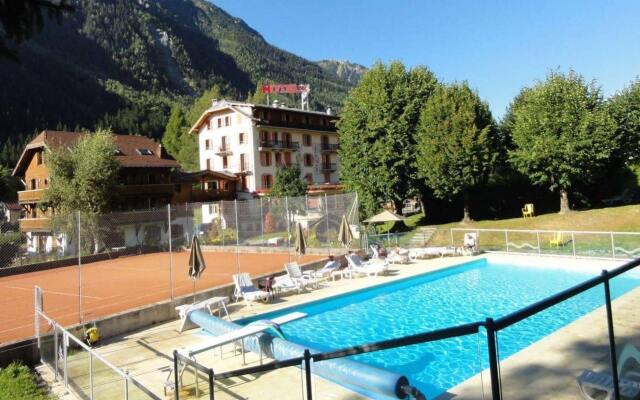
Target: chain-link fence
96 265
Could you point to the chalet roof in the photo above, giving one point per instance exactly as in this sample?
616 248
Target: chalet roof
238 107
128 145
11 205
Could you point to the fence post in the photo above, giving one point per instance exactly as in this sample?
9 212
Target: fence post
493 360
326 218
506 240
65 344
90 375
126 388
235 205
538 239
56 356
307 370
612 339
261 223
176 376
286 206
613 248
170 252
79 274
36 313
211 395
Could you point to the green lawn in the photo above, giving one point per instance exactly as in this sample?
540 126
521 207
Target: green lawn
17 382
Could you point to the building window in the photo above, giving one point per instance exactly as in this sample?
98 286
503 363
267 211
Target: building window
306 120
241 138
286 137
208 164
327 177
243 164
309 178
223 143
267 181
306 140
265 158
308 160
264 137
144 152
278 158
39 157
227 121
283 116
274 137
243 182
219 122
34 185
225 162
207 144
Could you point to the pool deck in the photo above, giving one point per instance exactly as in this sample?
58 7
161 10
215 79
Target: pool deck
547 369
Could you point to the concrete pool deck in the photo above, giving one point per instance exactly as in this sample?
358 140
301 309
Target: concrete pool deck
546 369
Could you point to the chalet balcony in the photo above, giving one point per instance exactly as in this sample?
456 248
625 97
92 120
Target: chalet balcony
328 167
329 147
198 195
224 151
34 224
31 196
146 189
283 146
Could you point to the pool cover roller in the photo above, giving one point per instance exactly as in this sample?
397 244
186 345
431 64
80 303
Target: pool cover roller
357 376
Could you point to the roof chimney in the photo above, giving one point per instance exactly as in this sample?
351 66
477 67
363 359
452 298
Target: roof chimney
276 103
214 102
329 111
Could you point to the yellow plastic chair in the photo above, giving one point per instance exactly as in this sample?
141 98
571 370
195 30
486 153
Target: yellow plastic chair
527 211
557 240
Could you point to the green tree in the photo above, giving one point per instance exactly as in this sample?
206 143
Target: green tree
83 179
624 107
8 184
377 128
455 142
562 134
175 129
288 183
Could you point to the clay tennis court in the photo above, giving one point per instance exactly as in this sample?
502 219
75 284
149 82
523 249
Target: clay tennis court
116 285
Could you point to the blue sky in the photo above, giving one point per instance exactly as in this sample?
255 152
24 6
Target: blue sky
497 46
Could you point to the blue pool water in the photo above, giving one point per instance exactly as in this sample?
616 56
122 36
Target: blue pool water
463 294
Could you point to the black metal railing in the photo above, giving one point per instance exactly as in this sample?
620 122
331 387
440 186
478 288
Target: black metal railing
328 166
329 146
491 326
279 145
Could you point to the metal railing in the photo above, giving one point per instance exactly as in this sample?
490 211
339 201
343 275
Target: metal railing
79 367
491 326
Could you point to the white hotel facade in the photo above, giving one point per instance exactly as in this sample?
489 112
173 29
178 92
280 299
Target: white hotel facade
253 140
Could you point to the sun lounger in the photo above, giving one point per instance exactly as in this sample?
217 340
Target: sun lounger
208 304
325 272
301 279
244 289
284 283
595 385
369 268
398 256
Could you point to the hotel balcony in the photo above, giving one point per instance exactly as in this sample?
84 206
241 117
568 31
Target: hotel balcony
145 189
34 224
328 167
31 196
199 195
284 146
329 147
224 151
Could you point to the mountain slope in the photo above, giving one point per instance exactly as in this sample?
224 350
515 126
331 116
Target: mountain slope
123 63
348 71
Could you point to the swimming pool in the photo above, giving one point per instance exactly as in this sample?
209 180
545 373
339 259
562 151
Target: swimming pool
458 295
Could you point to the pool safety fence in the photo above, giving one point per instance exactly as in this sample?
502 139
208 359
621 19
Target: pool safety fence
563 243
78 367
491 329
146 245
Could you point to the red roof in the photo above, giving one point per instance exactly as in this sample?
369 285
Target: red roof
128 145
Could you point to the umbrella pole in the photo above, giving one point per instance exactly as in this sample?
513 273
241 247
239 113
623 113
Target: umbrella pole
194 290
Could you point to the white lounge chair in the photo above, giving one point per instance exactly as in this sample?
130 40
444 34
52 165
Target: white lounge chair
398 256
369 268
598 385
325 272
301 279
376 252
208 304
284 283
245 289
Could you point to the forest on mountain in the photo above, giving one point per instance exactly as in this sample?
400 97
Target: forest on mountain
124 64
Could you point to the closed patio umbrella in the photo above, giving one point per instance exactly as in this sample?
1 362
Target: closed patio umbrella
301 244
345 236
196 263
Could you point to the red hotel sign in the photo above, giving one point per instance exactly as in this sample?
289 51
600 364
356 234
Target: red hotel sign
287 88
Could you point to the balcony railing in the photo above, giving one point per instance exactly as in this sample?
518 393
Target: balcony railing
328 166
152 188
273 145
329 147
30 196
212 195
224 150
34 224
